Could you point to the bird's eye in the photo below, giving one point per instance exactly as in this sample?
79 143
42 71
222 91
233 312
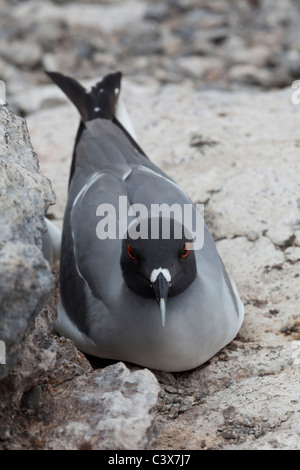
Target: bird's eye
186 250
131 253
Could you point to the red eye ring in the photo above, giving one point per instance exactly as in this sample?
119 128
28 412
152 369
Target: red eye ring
186 250
131 253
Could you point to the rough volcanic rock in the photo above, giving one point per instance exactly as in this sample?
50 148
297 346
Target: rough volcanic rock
26 280
109 409
64 403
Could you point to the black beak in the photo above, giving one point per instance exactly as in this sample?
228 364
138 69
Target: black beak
161 288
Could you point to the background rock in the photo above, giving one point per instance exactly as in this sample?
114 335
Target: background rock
247 397
225 44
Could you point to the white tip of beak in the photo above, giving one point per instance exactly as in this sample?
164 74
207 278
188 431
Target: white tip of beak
162 306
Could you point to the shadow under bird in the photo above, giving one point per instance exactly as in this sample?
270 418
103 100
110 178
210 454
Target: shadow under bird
153 301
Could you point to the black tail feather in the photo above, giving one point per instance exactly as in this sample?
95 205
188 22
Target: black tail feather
74 91
100 102
104 96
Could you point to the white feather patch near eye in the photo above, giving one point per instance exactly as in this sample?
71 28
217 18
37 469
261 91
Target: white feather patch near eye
165 272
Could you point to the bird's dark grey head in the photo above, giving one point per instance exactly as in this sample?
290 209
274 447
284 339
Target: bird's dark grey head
158 267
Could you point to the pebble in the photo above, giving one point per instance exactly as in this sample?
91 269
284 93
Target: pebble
281 235
5 433
253 236
204 68
297 238
292 254
257 56
31 399
170 389
230 434
157 12
26 55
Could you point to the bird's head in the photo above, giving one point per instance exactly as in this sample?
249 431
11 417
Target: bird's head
159 266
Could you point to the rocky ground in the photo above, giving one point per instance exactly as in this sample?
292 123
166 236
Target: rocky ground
208 87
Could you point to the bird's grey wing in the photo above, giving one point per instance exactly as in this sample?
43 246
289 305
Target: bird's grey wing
94 220
146 185
108 167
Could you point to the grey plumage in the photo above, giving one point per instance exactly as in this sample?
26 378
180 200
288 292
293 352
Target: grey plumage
98 310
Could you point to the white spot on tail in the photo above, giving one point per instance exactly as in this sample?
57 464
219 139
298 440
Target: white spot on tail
97 109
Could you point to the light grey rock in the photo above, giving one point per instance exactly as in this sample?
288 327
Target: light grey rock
297 238
292 254
26 283
202 19
36 98
45 358
145 40
249 74
281 235
203 68
25 195
25 54
261 39
68 405
291 62
257 56
101 17
14 79
157 12
123 404
252 401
